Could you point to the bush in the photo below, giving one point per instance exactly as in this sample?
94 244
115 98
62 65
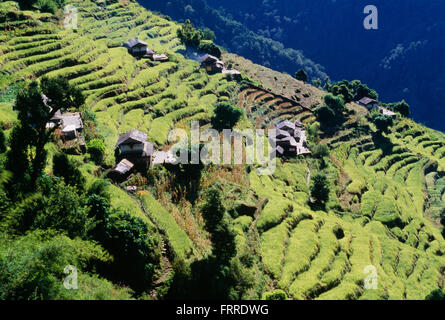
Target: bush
210 48
320 189
32 268
66 169
96 148
189 35
275 295
226 116
301 75
320 151
134 251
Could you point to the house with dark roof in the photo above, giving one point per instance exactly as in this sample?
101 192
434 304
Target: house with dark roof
368 103
134 147
137 47
212 64
122 170
290 139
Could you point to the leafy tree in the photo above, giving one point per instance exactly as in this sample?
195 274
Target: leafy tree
135 252
226 116
325 116
301 75
382 122
36 105
317 82
99 210
320 189
351 91
189 35
210 48
217 224
66 169
332 114
401 107
342 90
320 151
96 148
55 206
208 34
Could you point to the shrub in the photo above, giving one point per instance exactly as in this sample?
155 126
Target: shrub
320 188
96 148
226 116
189 35
301 75
210 48
134 251
66 169
320 151
275 295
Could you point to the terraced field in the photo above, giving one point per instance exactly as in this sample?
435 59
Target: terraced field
124 92
265 108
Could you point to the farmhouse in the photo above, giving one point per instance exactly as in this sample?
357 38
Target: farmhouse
121 172
368 103
134 147
212 64
72 125
137 47
290 139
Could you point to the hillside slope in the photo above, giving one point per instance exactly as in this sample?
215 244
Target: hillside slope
386 195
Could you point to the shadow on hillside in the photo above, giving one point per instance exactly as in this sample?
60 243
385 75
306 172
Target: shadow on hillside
383 143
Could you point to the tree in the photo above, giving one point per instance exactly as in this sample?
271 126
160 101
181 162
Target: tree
382 122
208 34
66 169
217 224
436 294
36 105
320 189
32 268
325 116
301 75
317 82
210 48
135 252
189 35
401 107
226 116
320 151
